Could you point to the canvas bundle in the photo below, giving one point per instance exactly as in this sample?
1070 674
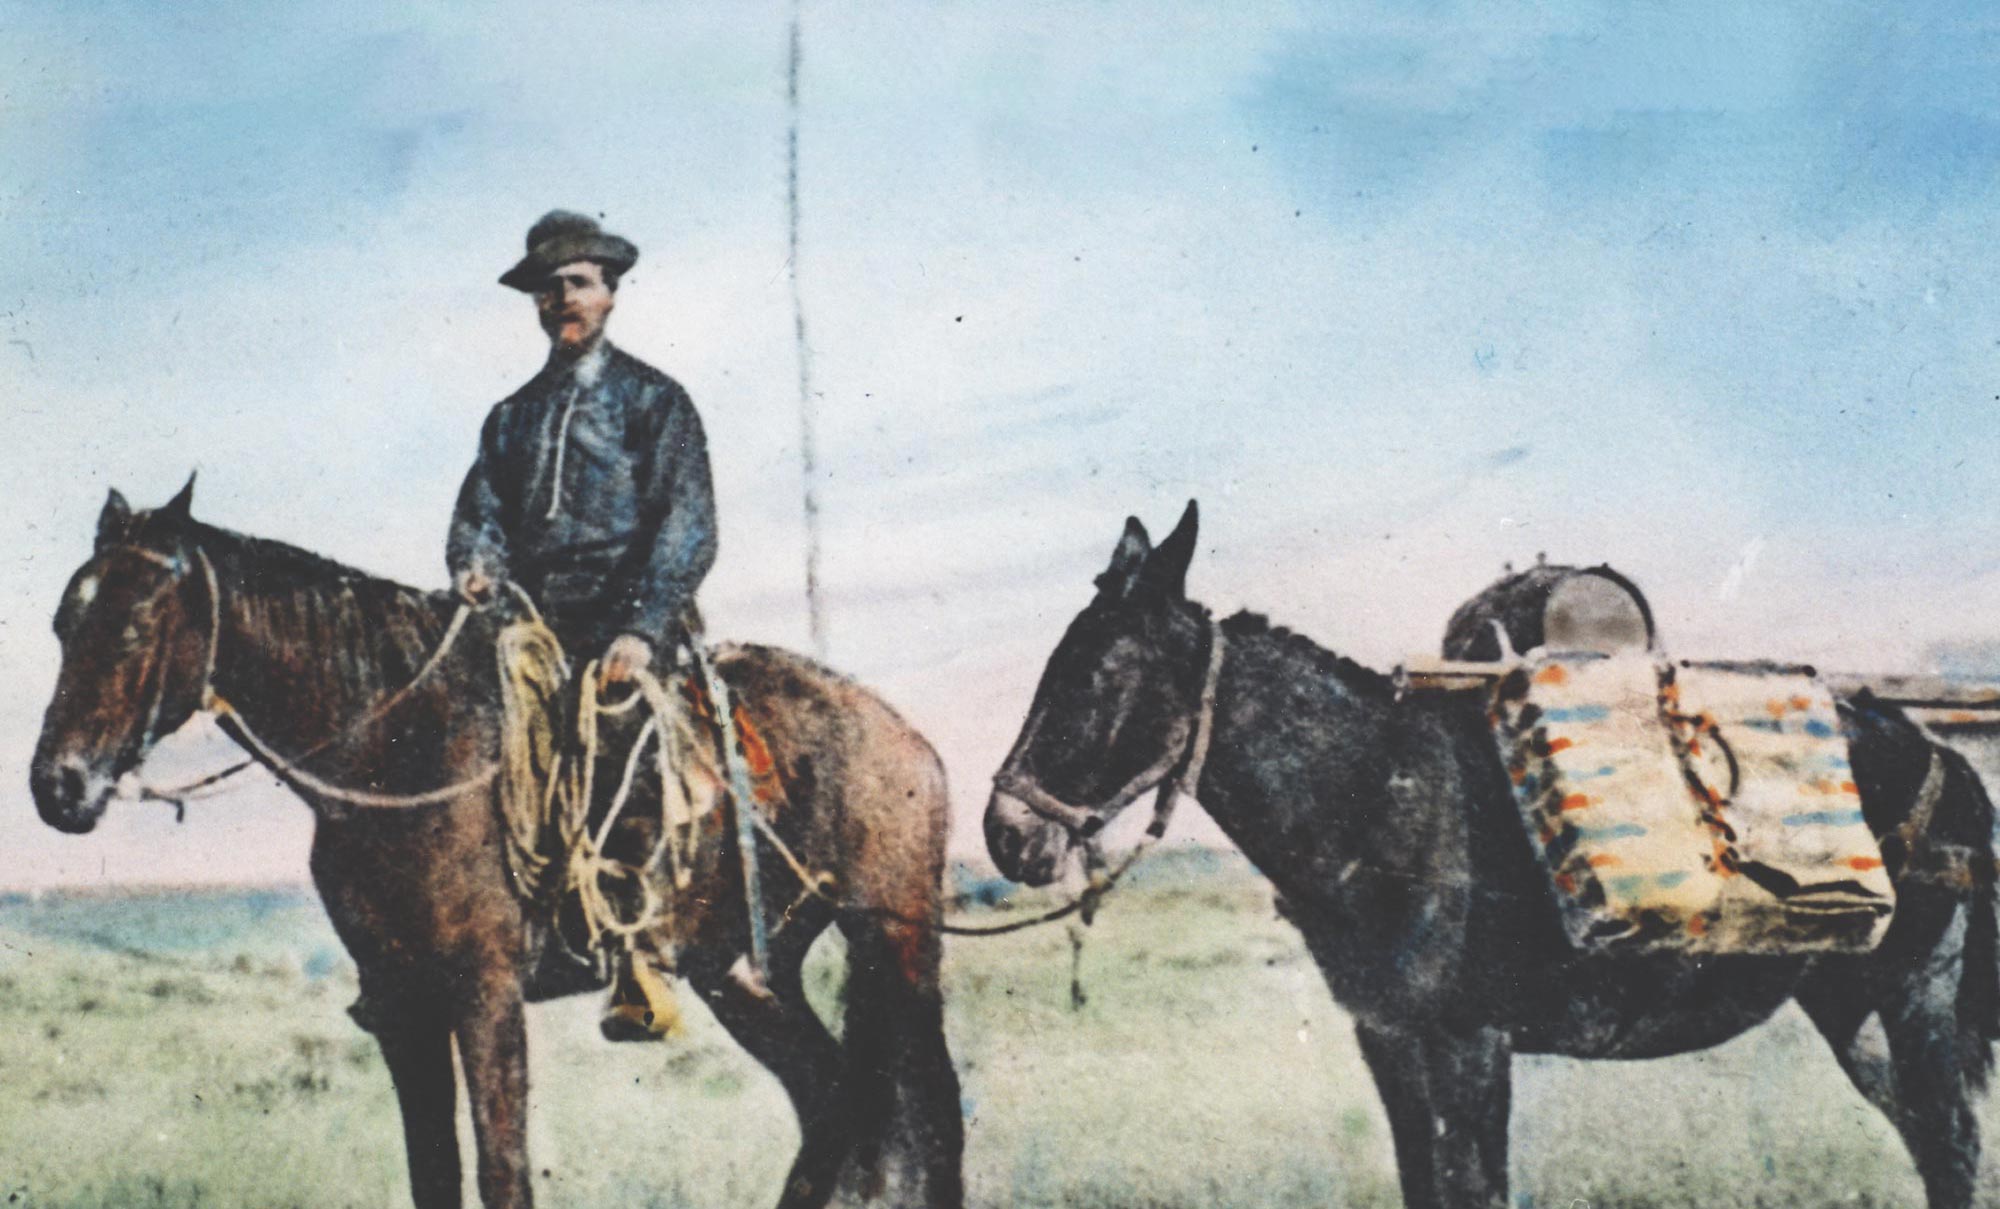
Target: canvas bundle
1702 808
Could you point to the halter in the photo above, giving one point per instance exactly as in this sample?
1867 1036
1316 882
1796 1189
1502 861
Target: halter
1174 774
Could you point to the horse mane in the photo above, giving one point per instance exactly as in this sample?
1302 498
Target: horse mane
372 632
1357 678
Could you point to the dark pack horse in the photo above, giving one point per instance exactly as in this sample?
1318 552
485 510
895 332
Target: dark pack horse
170 616
1386 826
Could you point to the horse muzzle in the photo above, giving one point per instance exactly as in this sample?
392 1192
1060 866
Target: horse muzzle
1025 846
69 794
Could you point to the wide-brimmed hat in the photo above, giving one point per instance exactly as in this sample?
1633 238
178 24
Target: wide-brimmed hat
561 237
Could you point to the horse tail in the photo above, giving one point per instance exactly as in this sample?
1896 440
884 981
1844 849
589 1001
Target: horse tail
1979 977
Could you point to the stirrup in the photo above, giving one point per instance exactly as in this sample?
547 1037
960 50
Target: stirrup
643 1007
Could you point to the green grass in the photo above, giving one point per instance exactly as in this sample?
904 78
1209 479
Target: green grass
192 1051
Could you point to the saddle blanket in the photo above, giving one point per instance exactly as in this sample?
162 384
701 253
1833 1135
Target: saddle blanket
1699 808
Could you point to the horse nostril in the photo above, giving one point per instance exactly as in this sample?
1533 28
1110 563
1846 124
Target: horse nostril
71 783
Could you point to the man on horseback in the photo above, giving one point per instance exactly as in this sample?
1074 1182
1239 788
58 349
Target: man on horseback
591 488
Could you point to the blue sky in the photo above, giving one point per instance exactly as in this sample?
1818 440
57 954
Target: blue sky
1401 292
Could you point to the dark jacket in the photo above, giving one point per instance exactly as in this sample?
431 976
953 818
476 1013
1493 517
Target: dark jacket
596 498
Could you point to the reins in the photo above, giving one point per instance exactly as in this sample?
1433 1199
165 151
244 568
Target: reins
1174 775
287 768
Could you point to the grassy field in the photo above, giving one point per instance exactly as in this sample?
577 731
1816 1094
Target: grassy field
175 1051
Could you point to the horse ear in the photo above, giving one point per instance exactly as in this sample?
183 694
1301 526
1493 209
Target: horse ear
115 520
1167 566
178 508
1127 560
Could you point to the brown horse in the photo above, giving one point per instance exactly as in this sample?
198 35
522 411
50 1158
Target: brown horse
170 616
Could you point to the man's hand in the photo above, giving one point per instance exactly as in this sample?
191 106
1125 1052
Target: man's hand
627 655
474 588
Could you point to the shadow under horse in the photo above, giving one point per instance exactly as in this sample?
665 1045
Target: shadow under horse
1387 826
170 616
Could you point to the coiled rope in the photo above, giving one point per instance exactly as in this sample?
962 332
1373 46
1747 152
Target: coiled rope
548 788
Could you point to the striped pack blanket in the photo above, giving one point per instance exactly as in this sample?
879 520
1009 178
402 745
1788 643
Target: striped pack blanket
1700 808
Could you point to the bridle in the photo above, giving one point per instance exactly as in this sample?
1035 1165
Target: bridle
1174 774
178 567
286 768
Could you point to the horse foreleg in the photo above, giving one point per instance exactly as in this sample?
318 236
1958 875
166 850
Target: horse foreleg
1913 1070
1401 1080
1841 1015
417 1050
899 1064
1472 1092
1937 1120
1447 1096
493 1047
783 1033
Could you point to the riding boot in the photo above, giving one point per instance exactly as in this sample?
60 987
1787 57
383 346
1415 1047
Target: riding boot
642 1006
560 971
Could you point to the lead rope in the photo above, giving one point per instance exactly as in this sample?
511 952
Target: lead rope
1105 877
1100 880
